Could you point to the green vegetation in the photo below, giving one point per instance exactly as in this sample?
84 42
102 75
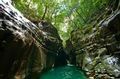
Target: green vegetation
65 15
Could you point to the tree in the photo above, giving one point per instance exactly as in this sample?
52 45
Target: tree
65 15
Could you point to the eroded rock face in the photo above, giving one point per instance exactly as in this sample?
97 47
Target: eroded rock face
98 51
52 42
26 49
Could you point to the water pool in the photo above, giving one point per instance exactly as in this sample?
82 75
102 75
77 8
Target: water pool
65 72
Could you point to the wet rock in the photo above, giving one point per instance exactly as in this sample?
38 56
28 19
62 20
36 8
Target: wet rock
100 48
52 42
26 49
113 22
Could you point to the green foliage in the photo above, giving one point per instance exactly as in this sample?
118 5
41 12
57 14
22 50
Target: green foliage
65 15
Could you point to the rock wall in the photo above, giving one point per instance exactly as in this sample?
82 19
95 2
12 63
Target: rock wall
96 48
26 49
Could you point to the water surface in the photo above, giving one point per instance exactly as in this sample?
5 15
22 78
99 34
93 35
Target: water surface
66 72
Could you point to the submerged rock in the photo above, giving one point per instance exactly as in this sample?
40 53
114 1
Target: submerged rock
26 49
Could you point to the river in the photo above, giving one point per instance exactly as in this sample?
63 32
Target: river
65 72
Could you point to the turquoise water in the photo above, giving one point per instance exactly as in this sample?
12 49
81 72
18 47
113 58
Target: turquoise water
66 72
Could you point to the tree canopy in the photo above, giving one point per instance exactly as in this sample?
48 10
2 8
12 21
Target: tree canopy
65 15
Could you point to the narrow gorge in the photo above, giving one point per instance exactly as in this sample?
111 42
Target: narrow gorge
32 48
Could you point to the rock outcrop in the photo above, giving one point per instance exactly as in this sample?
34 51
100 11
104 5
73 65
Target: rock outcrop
26 49
97 48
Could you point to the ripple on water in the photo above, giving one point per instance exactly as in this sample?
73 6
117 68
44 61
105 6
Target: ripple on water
66 72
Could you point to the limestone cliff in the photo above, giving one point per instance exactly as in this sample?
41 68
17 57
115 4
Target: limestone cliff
96 48
26 49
